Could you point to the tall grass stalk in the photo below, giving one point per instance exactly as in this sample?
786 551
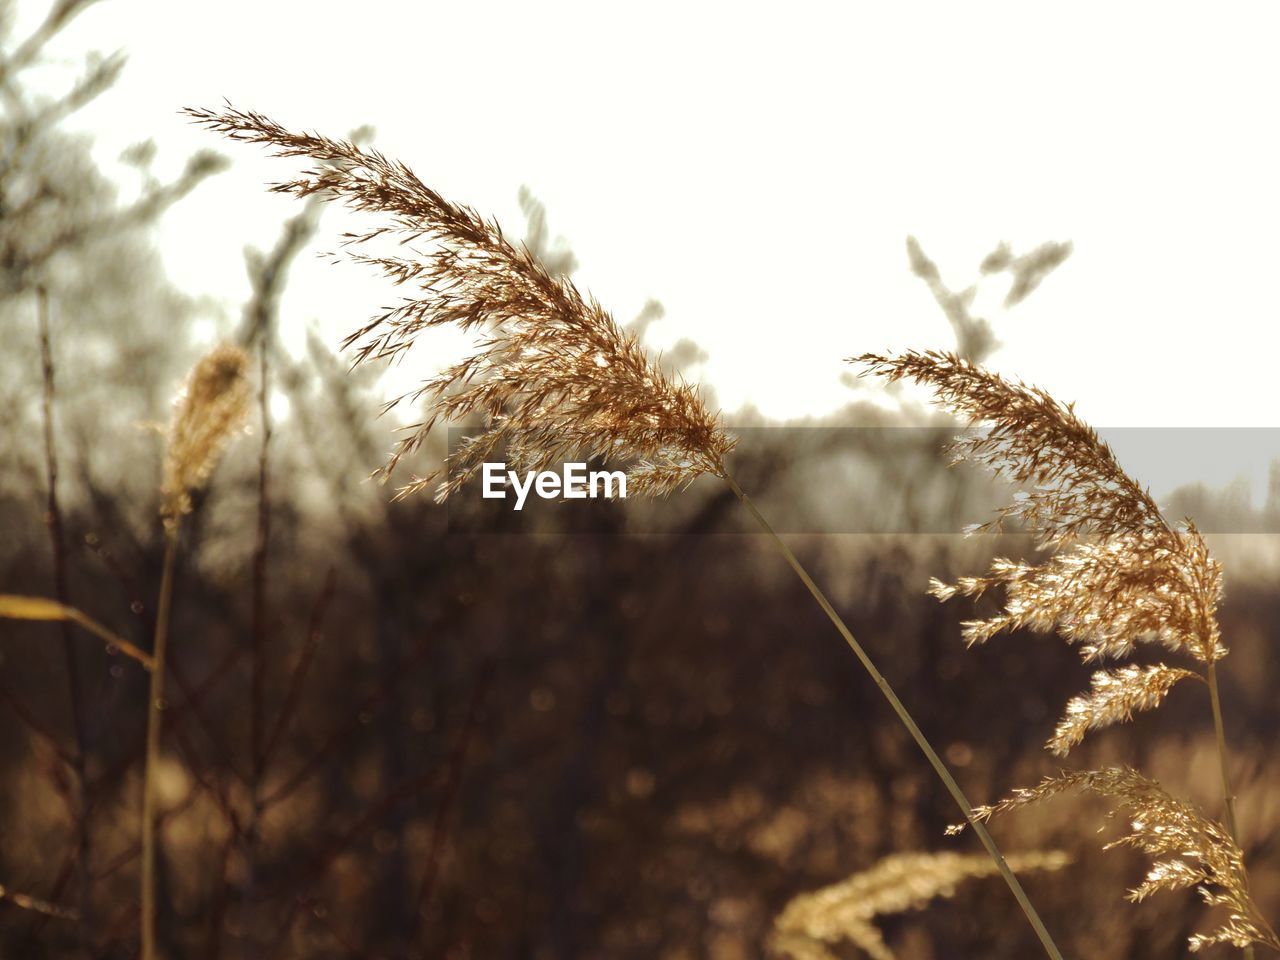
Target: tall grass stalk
155 718
1119 577
904 715
209 410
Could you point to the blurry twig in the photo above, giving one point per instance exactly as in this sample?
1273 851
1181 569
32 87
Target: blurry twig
975 338
1028 269
36 905
299 672
70 657
15 607
453 781
60 14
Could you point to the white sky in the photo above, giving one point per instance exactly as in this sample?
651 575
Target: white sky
757 168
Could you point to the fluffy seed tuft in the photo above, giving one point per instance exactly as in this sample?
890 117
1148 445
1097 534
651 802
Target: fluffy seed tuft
209 410
1120 574
1191 850
1114 697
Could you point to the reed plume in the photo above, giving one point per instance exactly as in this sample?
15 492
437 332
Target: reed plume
208 412
1120 575
552 375
1191 850
210 408
896 884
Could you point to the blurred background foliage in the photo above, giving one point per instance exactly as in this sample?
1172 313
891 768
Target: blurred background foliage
391 739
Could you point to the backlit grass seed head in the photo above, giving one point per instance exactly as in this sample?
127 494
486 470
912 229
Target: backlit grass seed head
896 884
1120 574
1189 850
1114 697
208 411
552 376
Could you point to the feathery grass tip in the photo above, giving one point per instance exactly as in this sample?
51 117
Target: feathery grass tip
552 376
209 410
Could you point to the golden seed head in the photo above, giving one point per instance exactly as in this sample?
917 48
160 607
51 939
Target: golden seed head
208 411
896 884
1120 574
1189 850
552 378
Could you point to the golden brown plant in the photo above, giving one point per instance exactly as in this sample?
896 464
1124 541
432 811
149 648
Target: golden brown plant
210 409
552 376
1113 697
1120 575
896 884
1191 851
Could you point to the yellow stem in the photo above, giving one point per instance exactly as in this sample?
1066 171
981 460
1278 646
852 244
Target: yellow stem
109 638
917 734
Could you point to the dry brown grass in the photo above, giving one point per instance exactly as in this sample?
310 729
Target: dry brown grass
1120 576
552 375
1192 851
210 409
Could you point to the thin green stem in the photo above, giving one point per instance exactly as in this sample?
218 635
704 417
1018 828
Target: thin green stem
917 734
155 709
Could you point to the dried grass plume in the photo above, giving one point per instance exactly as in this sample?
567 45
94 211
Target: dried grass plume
1120 574
1190 850
898 883
552 376
209 410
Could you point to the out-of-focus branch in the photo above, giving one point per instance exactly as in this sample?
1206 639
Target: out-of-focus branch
21 269
975 340
59 15
36 905
975 337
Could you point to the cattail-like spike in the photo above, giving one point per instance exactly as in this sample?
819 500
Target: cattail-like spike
210 409
1191 851
896 884
553 377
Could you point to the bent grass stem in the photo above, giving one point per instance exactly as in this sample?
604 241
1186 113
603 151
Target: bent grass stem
907 721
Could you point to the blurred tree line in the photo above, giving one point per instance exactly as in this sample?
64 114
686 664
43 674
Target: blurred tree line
391 739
